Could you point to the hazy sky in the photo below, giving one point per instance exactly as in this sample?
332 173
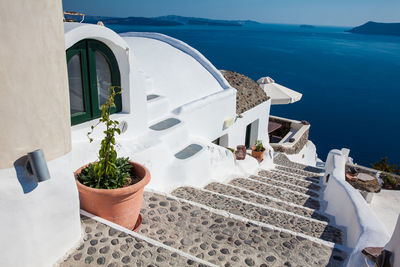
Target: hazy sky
318 12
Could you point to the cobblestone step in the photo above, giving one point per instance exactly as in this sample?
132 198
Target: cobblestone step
264 200
285 184
312 228
284 160
313 179
226 241
299 172
277 192
289 179
103 245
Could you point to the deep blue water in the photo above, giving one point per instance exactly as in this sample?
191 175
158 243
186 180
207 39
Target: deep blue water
350 83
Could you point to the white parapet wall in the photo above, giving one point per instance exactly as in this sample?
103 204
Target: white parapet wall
351 210
40 221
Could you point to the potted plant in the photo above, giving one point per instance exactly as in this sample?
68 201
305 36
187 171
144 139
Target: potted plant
389 181
257 151
112 187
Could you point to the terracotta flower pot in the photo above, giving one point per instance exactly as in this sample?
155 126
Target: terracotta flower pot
257 154
240 152
122 205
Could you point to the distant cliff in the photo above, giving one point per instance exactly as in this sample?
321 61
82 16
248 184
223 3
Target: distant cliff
203 21
170 20
377 28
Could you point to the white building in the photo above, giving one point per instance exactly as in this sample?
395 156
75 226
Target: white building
175 104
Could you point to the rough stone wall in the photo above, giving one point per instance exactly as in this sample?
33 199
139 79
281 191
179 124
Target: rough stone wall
295 148
249 93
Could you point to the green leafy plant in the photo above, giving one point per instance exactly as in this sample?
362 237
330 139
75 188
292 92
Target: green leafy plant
385 166
389 179
231 149
109 172
259 146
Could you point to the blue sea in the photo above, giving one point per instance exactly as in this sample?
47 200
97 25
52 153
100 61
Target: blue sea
350 83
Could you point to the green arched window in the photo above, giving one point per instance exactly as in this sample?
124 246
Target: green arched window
92 69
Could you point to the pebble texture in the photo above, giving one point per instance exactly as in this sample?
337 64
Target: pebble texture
298 172
314 179
105 246
282 159
288 179
228 242
279 193
249 93
289 186
235 192
283 220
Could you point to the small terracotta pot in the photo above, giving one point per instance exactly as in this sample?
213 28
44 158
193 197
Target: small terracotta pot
240 152
257 154
121 205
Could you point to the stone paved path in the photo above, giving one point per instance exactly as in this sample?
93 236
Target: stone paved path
264 200
279 219
277 192
225 241
269 219
289 179
285 184
102 245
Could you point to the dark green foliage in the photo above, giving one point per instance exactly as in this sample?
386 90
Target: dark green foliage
259 146
383 165
108 172
121 176
231 149
389 179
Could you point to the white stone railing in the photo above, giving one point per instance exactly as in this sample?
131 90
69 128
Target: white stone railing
350 209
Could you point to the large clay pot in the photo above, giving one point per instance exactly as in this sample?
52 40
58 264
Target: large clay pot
257 154
122 205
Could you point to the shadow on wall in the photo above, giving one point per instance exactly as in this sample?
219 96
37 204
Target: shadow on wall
28 184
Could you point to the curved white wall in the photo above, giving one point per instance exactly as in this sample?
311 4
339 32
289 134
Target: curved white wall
172 72
351 210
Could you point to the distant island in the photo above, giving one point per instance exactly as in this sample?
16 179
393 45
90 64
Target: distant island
307 26
170 20
377 28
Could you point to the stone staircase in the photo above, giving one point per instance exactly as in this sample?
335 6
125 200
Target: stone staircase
274 218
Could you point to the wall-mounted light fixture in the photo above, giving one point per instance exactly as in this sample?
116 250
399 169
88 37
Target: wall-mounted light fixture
36 166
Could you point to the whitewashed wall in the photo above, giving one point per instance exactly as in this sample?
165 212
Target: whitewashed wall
175 69
351 210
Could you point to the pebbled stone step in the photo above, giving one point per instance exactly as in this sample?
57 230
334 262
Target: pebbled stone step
103 245
285 185
226 241
276 192
284 160
289 179
252 197
299 172
283 220
313 179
